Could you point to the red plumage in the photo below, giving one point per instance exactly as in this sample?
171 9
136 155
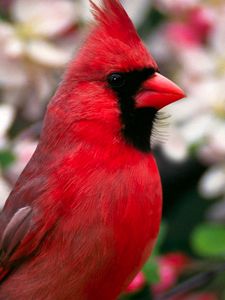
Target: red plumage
85 213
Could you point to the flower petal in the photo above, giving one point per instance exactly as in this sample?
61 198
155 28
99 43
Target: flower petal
23 150
45 17
176 147
12 73
212 184
10 45
47 54
4 192
7 116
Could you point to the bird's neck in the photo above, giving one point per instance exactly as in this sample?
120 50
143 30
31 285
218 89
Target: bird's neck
133 135
106 143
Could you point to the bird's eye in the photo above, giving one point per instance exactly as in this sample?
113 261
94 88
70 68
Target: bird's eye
116 80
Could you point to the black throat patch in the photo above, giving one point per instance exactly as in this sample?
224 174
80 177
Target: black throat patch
137 123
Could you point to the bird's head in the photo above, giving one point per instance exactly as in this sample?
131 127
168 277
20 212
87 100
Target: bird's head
115 80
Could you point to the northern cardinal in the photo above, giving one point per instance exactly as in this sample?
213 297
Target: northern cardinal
85 213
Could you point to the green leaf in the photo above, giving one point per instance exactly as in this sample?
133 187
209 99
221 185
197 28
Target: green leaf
160 239
6 158
209 240
151 271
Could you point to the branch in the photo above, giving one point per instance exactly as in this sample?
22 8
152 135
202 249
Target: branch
192 283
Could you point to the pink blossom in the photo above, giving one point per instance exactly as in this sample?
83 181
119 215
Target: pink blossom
202 19
177 260
193 29
170 267
168 278
181 34
136 284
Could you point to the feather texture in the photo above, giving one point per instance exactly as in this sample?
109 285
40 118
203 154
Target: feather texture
85 213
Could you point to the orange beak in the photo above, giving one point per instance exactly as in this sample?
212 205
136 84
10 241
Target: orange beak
157 92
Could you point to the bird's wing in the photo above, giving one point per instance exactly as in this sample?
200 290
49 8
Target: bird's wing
20 238
14 232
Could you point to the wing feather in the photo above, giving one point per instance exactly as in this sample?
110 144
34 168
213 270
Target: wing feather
15 231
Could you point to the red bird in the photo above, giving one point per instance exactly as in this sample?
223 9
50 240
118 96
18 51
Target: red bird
84 215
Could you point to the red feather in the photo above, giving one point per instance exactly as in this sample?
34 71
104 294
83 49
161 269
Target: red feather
95 198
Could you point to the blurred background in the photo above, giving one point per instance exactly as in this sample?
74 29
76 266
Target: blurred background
187 38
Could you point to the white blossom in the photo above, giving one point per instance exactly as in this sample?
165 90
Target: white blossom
212 184
4 191
7 114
